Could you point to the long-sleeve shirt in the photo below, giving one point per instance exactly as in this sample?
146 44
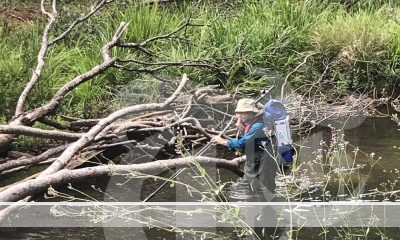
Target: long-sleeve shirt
255 136
250 142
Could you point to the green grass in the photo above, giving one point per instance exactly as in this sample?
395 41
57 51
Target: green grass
356 48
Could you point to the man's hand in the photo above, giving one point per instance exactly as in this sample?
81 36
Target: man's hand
219 140
239 124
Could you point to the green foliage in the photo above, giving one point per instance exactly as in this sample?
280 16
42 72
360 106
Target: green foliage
325 43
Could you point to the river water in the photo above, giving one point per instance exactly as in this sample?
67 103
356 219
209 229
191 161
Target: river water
379 136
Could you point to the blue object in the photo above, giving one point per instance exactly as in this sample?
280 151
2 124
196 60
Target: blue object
274 110
286 152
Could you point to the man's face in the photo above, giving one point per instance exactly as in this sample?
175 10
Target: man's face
246 118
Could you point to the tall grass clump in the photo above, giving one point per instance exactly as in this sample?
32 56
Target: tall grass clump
360 48
16 60
260 34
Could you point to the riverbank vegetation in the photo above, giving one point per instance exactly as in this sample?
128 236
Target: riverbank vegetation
326 44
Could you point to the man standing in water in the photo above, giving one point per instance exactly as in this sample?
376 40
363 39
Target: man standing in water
260 167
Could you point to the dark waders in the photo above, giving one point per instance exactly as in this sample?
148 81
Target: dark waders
258 185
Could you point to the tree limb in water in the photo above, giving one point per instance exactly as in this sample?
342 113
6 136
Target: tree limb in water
65 176
24 161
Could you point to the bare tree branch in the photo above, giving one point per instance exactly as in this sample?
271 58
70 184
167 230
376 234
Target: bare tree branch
163 65
11 209
57 125
79 20
103 123
65 176
58 97
146 42
34 160
41 60
20 118
54 7
35 132
45 44
43 9
84 123
196 126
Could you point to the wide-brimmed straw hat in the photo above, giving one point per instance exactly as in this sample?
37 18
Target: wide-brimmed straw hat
246 105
